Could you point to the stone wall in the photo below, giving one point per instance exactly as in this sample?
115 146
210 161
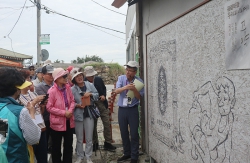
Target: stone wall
198 111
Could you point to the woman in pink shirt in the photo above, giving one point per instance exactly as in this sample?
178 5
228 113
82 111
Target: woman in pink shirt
61 105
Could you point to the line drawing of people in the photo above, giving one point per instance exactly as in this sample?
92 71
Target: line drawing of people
211 123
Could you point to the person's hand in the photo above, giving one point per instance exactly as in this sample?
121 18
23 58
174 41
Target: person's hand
102 98
38 99
130 86
31 109
79 106
68 114
87 94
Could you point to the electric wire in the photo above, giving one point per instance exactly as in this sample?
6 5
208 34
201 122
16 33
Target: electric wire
15 8
55 12
14 27
13 12
47 9
108 8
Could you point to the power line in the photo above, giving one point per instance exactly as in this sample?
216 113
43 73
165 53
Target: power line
108 8
105 32
53 11
15 8
14 27
13 12
47 9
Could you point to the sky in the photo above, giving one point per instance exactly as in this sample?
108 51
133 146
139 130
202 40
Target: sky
69 39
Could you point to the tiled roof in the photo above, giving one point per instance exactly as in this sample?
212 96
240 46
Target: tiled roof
13 55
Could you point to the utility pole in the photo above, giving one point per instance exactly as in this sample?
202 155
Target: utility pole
38 4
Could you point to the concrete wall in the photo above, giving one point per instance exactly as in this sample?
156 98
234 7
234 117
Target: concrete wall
156 13
131 33
197 111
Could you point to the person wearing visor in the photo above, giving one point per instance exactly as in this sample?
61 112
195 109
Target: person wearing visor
61 105
26 96
128 114
22 128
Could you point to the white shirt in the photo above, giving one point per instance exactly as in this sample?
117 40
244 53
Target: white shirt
31 131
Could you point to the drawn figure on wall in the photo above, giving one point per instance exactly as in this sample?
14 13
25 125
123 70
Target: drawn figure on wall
162 90
211 121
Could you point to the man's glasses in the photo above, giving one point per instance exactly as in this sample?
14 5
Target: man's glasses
32 69
65 76
129 70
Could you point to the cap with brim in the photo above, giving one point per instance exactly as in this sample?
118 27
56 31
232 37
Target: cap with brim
74 72
47 69
132 64
24 85
89 71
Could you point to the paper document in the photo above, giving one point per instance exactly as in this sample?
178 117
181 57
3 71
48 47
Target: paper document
138 85
39 118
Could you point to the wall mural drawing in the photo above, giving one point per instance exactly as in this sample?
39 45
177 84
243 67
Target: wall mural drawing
197 110
162 90
172 138
211 121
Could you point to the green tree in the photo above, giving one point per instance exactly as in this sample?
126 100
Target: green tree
93 58
57 61
87 58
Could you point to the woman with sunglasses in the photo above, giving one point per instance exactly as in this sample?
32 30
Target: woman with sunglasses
61 106
84 122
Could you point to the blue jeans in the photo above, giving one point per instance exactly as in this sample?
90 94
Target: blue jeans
40 149
129 116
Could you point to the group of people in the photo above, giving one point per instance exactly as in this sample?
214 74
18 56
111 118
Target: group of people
44 107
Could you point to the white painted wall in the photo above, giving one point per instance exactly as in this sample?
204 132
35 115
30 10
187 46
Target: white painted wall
197 111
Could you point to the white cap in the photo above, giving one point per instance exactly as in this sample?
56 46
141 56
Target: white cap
132 64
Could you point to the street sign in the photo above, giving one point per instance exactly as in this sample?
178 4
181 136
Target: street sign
44 39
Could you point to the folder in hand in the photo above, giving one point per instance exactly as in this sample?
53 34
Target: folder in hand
85 101
138 85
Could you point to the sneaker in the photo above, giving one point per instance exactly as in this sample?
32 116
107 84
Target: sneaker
133 161
89 161
123 158
95 147
109 147
78 160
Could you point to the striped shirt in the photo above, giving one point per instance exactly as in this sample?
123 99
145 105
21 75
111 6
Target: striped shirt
30 96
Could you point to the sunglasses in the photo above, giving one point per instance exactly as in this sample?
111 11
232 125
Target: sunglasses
32 69
65 76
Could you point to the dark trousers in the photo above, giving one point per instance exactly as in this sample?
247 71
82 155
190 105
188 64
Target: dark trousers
48 131
67 144
129 117
40 149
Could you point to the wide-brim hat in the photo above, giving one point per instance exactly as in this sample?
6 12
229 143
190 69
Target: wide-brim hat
89 71
74 72
24 85
58 72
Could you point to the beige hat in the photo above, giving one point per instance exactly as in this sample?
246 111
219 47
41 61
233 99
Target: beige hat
89 71
58 72
74 72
